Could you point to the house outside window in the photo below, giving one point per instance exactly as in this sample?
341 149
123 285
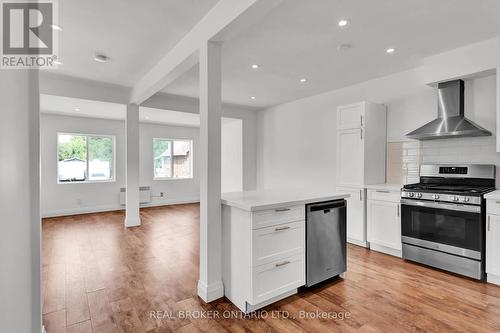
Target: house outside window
85 158
172 158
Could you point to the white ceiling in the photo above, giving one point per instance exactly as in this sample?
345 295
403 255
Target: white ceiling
134 34
297 39
300 39
76 107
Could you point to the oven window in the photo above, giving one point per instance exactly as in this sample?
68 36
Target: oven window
455 228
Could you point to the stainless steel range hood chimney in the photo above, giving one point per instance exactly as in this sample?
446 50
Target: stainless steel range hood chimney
451 121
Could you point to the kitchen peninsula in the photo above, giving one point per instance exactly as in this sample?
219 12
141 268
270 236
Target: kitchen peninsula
264 243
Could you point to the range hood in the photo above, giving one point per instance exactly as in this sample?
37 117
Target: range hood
451 121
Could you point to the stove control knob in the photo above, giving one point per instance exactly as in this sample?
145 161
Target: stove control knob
466 199
435 196
419 195
411 194
455 198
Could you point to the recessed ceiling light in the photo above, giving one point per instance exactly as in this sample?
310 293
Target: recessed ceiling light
390 50
303 80
56 27
343 22
77 109
101 57
255 66
253 97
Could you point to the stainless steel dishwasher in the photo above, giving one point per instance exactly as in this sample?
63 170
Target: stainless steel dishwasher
325 241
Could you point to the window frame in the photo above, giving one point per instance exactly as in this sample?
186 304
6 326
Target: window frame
191 172
87 181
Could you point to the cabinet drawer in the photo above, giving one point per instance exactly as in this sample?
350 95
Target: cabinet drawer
276 216
493 206
278 242
277 277
384 195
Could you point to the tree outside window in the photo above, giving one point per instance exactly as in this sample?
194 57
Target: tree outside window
84 158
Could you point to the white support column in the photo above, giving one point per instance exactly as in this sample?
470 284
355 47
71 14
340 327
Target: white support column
210 284
20 294
132 217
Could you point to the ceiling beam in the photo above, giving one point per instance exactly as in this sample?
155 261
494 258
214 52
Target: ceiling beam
224 21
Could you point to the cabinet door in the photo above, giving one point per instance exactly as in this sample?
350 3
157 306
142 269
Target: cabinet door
356 227
383 222
350 116
493 244
350 157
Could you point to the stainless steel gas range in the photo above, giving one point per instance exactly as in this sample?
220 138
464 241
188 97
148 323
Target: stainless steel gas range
443 218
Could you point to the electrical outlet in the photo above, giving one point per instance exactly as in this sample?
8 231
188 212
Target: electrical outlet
161 194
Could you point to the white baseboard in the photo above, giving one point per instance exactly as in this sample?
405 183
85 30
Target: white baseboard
175 201
211 292
108 208
251 308
357 242
495 279
386 250
80 210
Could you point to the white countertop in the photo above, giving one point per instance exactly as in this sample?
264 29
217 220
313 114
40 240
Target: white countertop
387 187
495 195
277 198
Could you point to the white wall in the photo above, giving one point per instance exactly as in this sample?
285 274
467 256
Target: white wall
60 199
20 295
53 84
175 190
296 141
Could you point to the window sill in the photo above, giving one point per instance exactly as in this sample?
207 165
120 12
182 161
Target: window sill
87 182
171 178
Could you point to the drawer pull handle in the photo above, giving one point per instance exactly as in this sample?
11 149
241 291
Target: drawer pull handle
381 191
282 263
282 210
281 228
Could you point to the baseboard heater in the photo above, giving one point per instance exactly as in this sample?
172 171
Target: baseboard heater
144 195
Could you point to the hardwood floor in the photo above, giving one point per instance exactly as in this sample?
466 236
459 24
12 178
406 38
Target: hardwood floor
100 277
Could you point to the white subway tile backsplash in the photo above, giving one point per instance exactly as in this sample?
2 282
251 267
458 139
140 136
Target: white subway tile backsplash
403 160
405 157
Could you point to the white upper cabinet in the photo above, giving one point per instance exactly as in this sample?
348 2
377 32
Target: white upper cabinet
498 109
361 144
350 116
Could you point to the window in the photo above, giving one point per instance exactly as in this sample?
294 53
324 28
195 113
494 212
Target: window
172 158
85 158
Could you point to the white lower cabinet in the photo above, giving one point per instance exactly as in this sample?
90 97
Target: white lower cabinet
492 243
356 215
384 221
273 279
263 255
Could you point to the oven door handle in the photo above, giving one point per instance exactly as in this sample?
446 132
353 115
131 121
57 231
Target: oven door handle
441 205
